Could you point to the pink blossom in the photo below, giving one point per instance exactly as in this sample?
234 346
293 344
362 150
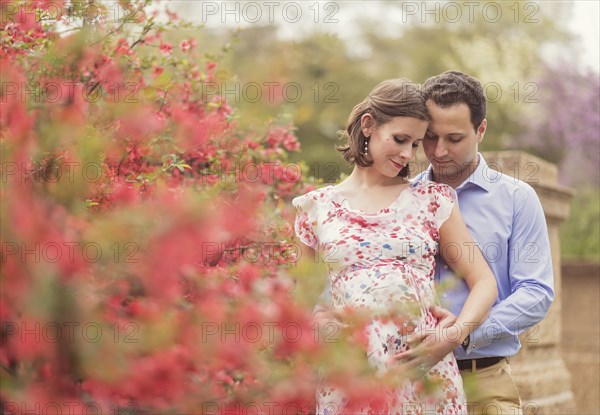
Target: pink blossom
187 45
156 71
166 48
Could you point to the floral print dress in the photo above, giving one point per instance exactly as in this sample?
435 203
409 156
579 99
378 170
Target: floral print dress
377 261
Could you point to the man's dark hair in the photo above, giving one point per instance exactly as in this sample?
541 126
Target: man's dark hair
454 87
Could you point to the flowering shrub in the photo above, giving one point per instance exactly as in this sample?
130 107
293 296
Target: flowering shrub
566 127
148 258
138 222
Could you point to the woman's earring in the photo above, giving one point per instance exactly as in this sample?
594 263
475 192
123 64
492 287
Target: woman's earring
366 151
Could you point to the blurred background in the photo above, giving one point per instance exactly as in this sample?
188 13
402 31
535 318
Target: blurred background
308 63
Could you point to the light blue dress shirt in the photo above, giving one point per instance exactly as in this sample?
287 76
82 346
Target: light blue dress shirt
506 219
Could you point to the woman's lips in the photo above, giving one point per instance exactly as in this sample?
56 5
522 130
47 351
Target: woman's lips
398 165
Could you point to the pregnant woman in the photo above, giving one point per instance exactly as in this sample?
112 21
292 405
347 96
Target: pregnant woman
381 234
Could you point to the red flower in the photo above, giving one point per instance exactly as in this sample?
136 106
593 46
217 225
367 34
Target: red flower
187 45
165 48
122 47
156 71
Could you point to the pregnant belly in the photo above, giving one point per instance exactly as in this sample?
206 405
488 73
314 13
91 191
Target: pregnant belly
384 289
388 291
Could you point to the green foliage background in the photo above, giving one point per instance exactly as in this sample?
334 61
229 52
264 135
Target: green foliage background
579 234
334 74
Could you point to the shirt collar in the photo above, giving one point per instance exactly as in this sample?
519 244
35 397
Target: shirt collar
480 177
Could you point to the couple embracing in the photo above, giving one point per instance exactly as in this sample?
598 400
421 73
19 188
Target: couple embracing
453 203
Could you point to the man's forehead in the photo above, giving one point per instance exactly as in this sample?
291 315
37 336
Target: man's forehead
456 108
454 117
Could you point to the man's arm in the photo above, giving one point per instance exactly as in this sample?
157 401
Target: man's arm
529 273
531 281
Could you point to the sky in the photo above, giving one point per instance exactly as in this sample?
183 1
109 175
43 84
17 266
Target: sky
584 21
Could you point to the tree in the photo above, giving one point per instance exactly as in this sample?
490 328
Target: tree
501 43
566 128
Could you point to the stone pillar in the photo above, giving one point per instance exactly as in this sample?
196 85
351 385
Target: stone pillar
539 369
581 331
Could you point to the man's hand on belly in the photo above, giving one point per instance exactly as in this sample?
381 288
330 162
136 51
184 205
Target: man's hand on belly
428 347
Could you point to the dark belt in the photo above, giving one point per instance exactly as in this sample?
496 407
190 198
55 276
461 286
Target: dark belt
479 363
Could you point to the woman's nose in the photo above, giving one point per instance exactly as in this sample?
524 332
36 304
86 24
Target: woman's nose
407 152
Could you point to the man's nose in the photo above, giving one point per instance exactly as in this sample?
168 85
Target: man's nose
441 150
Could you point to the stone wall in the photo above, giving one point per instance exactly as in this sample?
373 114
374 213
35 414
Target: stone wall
580 342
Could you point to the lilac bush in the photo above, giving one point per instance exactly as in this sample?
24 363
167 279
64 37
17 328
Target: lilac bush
566 129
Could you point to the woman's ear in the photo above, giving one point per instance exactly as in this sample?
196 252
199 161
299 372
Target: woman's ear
366 124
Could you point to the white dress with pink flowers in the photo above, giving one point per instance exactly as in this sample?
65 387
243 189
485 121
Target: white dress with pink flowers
378 261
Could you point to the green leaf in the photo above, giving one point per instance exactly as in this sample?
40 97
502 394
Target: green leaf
182 166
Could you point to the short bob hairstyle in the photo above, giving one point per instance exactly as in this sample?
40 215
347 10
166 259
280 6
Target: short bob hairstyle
391 98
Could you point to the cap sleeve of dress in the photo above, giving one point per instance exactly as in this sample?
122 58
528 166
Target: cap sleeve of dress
443 198
306 219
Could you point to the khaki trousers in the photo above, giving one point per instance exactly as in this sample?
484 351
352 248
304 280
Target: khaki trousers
492 390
